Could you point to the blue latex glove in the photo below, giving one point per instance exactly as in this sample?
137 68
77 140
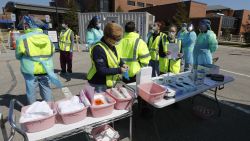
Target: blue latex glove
125 75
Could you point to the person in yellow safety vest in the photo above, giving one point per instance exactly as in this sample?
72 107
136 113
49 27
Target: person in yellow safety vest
134 51
172 65
35 51
156 40
66 44
106 62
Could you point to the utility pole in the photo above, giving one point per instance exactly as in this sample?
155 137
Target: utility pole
57 20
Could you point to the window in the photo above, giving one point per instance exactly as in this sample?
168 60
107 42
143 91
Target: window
149 5
249 17
140 4
104 5
130 2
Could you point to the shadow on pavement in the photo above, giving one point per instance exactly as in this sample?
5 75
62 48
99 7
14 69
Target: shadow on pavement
69 76
6 98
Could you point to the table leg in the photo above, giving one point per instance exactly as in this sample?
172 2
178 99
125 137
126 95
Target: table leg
217 102
130 128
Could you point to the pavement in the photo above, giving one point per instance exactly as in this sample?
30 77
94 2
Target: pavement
173 123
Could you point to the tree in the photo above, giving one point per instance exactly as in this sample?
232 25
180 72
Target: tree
119 9
181 15
71 16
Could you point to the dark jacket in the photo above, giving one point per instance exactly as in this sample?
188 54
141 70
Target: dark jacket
101 63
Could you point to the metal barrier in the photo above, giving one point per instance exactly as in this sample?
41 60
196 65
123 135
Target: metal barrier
232 38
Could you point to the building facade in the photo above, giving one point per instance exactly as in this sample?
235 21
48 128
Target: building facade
112 5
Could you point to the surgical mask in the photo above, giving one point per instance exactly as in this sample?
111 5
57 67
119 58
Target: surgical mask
171 35
64 25
190 28
99 25
113 42
183 28
151 31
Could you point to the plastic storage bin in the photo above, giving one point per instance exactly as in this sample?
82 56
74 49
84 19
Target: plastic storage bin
103 110
121 104
39 124
151 92
96 133
71 117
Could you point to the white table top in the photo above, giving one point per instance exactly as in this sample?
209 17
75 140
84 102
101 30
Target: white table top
200 89
61 128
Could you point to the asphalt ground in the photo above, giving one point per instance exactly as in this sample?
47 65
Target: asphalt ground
174 123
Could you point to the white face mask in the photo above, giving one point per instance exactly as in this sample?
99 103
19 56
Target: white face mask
64 25
99 25
190 28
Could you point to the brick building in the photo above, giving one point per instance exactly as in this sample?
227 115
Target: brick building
112 5
167 12
237 21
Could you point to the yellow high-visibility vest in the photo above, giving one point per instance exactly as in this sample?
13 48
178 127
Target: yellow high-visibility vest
65 41
36 45
113 62
134 52
154 46
170 65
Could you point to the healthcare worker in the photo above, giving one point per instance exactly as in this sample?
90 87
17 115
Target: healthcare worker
206 44
66 45
182 33
35 51
167 64
188 47
106 62
94 32
134 51
155 41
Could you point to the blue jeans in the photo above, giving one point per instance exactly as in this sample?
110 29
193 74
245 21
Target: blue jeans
99 88
31 84
155 68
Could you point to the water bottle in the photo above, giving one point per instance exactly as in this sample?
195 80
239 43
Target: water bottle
200 75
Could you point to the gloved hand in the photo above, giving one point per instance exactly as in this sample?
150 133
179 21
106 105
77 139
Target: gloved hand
125 75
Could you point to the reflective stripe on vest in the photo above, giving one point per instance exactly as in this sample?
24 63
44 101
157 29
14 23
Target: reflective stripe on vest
134 52
169 65
154 51
64 41
27 51
113 62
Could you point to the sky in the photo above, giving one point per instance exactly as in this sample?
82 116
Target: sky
234 4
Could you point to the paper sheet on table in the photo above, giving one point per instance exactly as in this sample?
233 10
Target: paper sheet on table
174 49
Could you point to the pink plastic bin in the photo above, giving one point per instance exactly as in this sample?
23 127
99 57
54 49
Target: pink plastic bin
151 92
121 104
71 117
39 124
96 131
103 110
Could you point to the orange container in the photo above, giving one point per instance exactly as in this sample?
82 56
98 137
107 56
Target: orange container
105 109
151 92
39 124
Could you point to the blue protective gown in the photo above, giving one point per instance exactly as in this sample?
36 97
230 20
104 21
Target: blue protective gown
188 47
181 34
206 45
93 36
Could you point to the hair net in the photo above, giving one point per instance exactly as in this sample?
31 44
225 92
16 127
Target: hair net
206 22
